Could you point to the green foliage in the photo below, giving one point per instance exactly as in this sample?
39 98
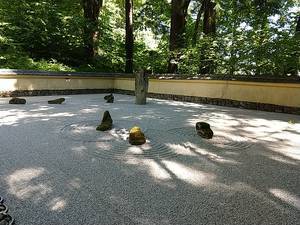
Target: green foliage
253 37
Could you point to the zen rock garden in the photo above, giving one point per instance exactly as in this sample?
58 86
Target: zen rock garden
166 162
136 136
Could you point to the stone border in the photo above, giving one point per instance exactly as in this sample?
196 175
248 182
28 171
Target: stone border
54 92
194 99
221 77
9 72
221 102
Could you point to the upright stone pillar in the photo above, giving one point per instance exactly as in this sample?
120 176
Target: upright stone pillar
141 87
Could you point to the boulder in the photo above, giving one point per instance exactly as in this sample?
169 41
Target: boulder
136 136
17 101
106 123
109 98
56 101
203 130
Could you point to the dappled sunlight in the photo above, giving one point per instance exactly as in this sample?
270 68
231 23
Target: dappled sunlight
65 114
181 149
61 165
175 103
74 183
102 146
57 204
41 108
209 155
80 150
288 151
156 170
93 110
189 175
282 160
12 117
22 183
286 197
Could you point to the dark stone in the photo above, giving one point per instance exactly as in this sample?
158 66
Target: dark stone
106 123
17 101
3 208
6 219
203 130
56 101
109 98
136 136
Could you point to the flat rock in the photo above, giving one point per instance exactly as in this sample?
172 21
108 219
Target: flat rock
17 101
56 101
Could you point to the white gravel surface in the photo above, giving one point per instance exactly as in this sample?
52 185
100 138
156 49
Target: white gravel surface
55 168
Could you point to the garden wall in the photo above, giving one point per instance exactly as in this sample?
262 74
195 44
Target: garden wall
24 83
269 95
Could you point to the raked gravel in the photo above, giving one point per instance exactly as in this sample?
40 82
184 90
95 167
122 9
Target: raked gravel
56 169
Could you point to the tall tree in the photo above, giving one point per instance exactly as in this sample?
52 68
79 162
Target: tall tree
197 24
297 37
209 19
91 9
209 29
298 26
129 42
177 40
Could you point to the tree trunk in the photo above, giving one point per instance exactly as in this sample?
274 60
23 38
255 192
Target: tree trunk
297 36
129 36
209 28
298 26
177 32
197 23
141 87
91 9
209 20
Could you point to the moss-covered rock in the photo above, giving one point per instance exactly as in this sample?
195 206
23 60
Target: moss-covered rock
136 136
106 123
203 130
56 101
17 101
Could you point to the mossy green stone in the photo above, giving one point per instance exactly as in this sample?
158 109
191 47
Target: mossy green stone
104 126
106 123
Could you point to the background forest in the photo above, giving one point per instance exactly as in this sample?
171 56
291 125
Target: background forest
242 37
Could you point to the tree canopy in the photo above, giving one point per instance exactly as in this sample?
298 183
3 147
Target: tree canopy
242 37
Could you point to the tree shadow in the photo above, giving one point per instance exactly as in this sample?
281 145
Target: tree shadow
50 179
